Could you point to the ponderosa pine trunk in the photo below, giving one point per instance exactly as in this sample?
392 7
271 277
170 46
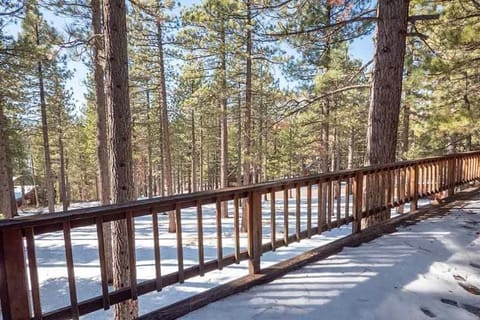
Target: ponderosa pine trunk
149 148
63 174
120 134
46 144
8 206
223 122
386 94
167 156
194 155
247 114
351 147
102 132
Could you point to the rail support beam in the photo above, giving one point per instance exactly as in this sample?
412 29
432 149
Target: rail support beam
13 276
254 207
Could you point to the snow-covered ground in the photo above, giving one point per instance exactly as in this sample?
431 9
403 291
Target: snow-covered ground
50 252
423 271
52 271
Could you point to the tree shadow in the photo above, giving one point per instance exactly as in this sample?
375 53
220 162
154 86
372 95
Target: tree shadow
411 274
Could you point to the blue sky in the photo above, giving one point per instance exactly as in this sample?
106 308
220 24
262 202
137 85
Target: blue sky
361 48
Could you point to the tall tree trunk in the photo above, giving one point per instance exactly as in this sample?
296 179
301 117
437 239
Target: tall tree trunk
149 148
351 148
386 93
167 164
334 147
239 141
200 142
194 155
34 178
49 180
468 106
63 185
248 113
102 128
405 131
8 205
120 126
223 122
325 135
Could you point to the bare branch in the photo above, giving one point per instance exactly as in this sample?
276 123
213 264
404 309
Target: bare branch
360 18
303 104
423 17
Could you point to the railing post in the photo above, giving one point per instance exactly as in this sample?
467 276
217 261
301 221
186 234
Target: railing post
357 202
451 176
13 276
414 202
254 207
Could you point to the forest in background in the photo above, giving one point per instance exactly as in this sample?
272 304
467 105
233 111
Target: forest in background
206 101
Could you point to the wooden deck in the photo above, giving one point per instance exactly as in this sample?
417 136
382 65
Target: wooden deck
332 200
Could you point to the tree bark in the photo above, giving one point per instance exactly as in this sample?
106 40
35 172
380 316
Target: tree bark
351 148
8 205
149 148
405 131
247 113
223 123
167 157
46 145
102 132
63 175
194 155
120 129
386 93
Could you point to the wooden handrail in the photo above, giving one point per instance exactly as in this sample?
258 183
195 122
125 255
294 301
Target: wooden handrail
393 185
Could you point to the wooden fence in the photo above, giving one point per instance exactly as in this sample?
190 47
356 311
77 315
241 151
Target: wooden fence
330 200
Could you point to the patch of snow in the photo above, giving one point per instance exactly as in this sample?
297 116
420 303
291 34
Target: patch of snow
415 273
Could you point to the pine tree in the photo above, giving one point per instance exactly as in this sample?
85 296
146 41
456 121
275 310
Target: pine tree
118 104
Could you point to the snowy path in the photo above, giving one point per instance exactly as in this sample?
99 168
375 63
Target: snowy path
423 271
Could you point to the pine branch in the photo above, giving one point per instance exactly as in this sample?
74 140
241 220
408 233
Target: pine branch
301 105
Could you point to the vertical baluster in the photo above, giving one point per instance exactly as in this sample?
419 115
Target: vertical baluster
297 212
103 263
330 204
178 220
319 206
357 202
415 176
70 270
131 255
323 211
219 235
32 266
347 197
201 254
430 178
273 223
156 250
309 210
285 215
236 228
391 187
408 189
368 178
338 193
401 189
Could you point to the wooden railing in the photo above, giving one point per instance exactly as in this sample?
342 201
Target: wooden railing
328 200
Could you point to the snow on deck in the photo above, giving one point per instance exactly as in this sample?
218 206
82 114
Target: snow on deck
430 270
390 275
